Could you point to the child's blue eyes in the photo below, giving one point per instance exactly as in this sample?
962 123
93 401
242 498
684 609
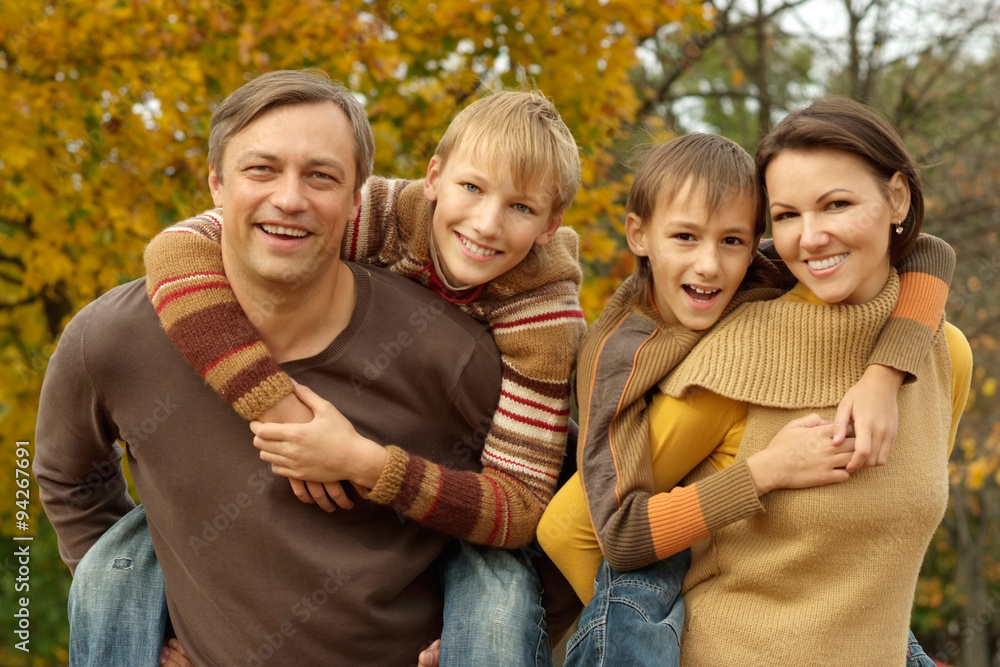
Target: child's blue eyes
475 189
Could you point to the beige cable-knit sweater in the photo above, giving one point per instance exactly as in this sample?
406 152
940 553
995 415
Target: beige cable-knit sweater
824 576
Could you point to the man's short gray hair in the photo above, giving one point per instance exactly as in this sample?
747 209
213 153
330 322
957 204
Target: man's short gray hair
287 87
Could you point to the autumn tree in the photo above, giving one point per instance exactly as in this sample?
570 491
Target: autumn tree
931 67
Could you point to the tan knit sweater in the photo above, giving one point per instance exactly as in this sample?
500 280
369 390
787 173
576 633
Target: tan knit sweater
626 354
825 576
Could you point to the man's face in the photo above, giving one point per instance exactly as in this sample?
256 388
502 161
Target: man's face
286 187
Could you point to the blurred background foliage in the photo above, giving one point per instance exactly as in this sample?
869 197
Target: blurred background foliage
104 126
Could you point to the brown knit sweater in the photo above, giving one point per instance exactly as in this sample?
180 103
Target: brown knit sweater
824 576
533 311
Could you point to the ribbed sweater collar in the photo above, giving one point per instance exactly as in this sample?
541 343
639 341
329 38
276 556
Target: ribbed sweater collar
785 354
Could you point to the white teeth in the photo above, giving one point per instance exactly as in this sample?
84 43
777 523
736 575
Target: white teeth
284 231
479 250
701 291
820 264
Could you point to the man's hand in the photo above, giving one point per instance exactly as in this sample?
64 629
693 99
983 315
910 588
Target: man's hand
173 655
801 455
327 449
430 655
871 405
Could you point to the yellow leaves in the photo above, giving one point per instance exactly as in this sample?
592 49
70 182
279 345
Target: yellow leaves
595 294
976 474
599 247
989 388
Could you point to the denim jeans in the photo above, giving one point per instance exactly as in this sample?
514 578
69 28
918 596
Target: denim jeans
915 656
117 601
635 618
492 609
118 606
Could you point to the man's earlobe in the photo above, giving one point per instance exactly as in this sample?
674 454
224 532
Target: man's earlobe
215 185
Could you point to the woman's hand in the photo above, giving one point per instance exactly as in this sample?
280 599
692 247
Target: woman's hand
871 406
801 455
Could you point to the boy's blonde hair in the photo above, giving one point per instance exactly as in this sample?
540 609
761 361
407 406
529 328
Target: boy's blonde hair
522 131
720 166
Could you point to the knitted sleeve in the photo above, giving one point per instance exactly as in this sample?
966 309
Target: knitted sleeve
621 360
538 333
199 312
375 237
924 276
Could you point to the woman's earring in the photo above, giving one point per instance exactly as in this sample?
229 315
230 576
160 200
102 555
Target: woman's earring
899 226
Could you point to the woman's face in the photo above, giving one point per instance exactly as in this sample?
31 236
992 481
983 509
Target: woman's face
832 220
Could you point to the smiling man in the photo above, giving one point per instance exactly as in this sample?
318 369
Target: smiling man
253 576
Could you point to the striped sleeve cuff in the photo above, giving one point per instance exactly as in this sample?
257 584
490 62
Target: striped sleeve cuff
902 345
728 496
391 480
268 388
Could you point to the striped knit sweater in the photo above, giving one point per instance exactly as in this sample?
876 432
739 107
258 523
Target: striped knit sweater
628 352
534 314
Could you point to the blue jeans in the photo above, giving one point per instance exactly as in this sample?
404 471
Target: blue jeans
915 656
635 618
492 608
117 601
118 606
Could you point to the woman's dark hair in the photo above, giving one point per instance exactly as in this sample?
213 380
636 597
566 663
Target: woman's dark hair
840 124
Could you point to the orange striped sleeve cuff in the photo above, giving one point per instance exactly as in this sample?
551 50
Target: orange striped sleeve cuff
921 298
675 521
